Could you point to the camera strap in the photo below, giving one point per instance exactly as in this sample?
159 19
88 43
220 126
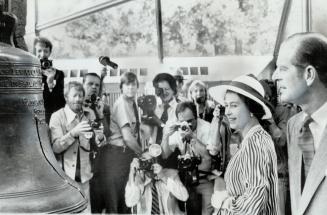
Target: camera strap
137 126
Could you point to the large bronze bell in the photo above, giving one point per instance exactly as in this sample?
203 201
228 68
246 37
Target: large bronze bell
30 179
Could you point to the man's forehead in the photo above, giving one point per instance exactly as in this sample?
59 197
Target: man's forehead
91 78
41 45
287 52
185 115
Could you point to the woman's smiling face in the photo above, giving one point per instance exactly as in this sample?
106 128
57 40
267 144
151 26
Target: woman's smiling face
236 111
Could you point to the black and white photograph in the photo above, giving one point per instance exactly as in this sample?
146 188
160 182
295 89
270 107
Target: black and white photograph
180 107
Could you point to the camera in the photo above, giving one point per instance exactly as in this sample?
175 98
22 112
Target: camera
154 151
148 104
92 102
188 162
159 91
184 126
188 167
146 165
45 63
94 124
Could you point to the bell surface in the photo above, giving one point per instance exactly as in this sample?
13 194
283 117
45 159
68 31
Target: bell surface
31 179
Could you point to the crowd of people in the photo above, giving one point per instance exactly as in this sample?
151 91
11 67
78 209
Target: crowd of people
170 153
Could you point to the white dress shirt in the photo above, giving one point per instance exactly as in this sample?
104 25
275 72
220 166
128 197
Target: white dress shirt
168 193
318 125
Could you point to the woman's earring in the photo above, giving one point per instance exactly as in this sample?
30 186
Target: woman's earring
251 115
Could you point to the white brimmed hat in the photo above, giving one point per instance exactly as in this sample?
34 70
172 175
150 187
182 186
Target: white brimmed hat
246 85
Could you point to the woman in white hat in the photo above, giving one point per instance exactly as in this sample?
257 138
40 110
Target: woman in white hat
250 182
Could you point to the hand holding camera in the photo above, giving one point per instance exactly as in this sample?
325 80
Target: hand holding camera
49 72
80 128
99 135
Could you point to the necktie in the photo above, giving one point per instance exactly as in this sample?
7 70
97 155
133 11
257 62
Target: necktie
137 126
306 144
163 118
155 209
78 176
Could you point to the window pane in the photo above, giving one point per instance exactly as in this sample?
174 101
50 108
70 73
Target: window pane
124 30
220 27
50 9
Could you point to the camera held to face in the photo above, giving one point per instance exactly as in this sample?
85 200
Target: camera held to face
148 104
187 162
184 126
45 63
145 164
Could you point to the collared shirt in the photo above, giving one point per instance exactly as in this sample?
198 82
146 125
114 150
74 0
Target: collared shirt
122 115
65 145
171 110
318 125
141 195
202 141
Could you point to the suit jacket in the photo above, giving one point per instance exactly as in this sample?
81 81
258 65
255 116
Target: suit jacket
313 199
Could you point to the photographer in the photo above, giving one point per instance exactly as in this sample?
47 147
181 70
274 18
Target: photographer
92 84
191 137
52 79
154 190
197 93
124 144
71 135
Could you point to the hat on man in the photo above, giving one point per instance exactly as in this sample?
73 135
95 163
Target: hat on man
246 85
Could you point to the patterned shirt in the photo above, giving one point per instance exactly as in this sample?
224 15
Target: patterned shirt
251 176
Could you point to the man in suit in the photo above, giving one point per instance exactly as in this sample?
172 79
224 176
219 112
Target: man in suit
301 77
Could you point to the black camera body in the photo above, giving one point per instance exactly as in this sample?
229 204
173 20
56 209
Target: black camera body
45 63
94 124
188 163
159 91
188 168
148 104
92 103
184 126
146 165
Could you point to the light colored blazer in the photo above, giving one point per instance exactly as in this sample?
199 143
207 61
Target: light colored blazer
313 199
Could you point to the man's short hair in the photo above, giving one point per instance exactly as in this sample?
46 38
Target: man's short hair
73 84
183 106
128 77
165 77
44 41
93 74
311 50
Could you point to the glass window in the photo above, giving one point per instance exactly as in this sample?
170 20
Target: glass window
143 72
220 27
83 72
194 71
204 71
73 73
124 30
133 70
113 72
185 70
122 71
49 9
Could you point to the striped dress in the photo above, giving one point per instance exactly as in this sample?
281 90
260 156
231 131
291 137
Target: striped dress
251 176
